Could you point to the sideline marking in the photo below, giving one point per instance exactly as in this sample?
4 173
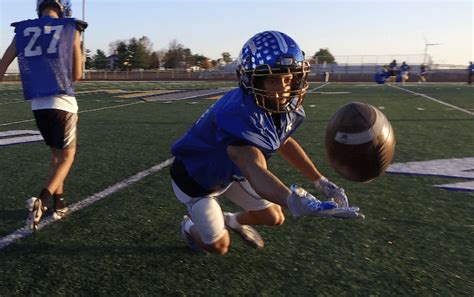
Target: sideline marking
26 232
433 99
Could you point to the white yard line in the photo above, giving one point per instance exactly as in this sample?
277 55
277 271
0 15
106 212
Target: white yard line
25 232
111 107
433 99
84 111
317 88
17 122
13 102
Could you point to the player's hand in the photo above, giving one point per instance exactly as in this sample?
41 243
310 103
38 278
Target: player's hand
331 191
301 203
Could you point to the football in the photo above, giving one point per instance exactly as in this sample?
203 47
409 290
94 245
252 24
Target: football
360 142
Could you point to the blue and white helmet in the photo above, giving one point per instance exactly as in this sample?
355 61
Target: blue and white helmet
272 53
63 5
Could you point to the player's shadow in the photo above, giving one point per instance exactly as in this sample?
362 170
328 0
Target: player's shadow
169 250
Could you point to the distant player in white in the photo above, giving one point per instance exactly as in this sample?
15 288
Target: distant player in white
50 60
225 152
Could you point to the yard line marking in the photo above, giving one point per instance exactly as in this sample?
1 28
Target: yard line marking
93 110
317 88
17 122
26 232
13 102
433 99
84 111
111 107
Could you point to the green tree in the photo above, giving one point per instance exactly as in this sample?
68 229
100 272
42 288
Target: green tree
100 60
177 56
198 60
139 51
89 60
323 55
154 61
123 54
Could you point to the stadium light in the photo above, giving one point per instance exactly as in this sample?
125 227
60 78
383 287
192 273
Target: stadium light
427 44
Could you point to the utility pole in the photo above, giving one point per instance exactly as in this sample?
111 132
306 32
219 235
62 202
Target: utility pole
427 44
83 41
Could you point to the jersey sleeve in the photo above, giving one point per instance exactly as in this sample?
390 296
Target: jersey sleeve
81 26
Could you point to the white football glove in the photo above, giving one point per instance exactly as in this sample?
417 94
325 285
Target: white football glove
301 203
331 191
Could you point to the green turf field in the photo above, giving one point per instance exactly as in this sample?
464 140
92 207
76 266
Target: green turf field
417 240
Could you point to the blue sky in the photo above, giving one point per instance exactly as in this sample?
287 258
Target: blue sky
346 28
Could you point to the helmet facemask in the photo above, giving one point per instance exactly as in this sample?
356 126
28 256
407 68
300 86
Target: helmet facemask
292 93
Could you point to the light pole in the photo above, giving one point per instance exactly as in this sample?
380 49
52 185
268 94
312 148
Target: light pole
84 41
427 44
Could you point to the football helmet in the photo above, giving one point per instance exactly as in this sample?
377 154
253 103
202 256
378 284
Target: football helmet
63 5
273 54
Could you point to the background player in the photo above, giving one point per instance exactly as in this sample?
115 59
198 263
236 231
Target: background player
49 57
392 69
423 73
404 72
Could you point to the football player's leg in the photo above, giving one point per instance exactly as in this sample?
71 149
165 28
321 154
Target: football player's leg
52 168
60 209
63 149
257 211
58 173
204 229
58 129
209 228
60 169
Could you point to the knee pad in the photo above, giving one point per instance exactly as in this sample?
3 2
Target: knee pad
208 219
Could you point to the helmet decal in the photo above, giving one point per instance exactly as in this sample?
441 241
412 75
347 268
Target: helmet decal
281 41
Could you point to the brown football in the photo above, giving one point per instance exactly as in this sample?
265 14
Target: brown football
360 142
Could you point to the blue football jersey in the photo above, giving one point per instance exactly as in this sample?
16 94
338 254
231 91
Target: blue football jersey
233 119
405 67
381 76
45 55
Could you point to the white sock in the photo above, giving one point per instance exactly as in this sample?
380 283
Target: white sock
232 220
187 226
